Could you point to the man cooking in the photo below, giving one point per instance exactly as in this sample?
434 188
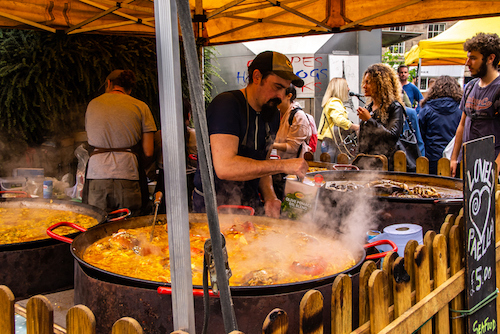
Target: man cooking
242 125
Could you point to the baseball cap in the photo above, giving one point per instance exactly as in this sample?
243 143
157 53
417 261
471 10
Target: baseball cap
113 75
277 63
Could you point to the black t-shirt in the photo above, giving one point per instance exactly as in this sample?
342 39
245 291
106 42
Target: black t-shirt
227 114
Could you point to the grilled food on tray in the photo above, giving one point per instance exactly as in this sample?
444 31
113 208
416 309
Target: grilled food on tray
387 188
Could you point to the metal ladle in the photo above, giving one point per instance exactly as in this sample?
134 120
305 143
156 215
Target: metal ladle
158 196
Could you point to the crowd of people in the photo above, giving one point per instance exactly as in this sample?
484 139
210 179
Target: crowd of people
246 125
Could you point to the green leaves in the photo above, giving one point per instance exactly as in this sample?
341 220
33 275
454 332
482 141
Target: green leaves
48 79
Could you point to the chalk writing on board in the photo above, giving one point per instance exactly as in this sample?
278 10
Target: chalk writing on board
316 73
480 236
308 68
486 325
479 277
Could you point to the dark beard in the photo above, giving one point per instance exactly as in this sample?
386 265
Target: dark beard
270 109
483 70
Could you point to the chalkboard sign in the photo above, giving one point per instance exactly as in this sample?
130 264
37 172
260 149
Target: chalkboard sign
479 197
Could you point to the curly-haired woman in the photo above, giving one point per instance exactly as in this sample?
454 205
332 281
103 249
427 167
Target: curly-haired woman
439 118
382 120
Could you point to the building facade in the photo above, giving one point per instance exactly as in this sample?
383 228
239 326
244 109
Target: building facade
426 30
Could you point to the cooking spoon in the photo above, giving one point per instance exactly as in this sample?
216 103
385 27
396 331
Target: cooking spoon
157 202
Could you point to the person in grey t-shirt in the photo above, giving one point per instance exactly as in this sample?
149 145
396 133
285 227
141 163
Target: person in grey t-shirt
118 127
481 100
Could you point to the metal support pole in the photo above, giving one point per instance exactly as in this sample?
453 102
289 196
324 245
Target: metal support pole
419 76
172 125
205 162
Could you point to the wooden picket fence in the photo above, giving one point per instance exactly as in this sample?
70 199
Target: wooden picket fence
399 162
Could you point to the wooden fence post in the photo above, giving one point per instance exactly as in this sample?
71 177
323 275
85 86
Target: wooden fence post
443 167
379 307
364 275
308 156
445 231
39 316
455 249
402 289
450 218
342 159
341 310
428 240
387 267
422 165
80 320
7 323
126 325
409 254
311 313
276 322
440 265
399 161
324 157
422 279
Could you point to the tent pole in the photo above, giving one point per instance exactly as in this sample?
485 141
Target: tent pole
419 69
172 125
205 163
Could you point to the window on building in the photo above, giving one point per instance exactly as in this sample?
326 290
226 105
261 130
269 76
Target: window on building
401 28
435 29
424 83
397 48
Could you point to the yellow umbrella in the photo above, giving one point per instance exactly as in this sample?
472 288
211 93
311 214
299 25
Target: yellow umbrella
447 47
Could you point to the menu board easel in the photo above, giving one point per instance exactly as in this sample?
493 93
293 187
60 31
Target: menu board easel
479 198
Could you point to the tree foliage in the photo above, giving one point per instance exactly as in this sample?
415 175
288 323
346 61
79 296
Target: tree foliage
48 79
395 60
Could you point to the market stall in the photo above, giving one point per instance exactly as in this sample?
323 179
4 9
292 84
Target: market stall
447 47
227 26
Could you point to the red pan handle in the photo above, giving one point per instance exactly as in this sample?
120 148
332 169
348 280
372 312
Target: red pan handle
53 235
378 243
125 211
242 207
166 290
24 193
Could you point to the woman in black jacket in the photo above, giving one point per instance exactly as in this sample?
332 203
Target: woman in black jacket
382 120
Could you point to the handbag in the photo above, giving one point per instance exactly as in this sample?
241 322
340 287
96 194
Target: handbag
408 143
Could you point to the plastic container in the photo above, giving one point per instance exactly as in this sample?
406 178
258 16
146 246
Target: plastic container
28 172
13 183
34 186
47 189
